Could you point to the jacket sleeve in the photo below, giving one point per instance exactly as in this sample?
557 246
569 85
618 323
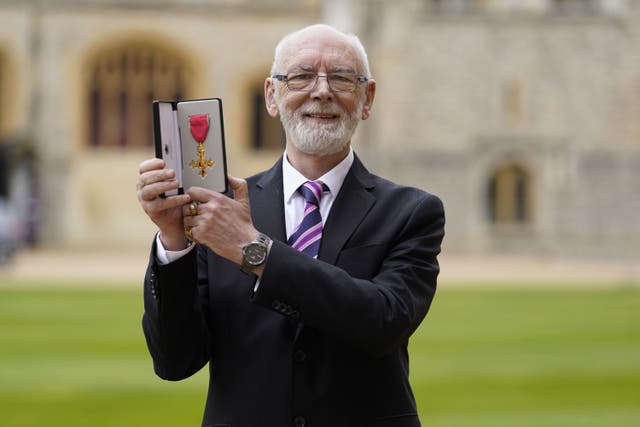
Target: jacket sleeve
377 313
173 320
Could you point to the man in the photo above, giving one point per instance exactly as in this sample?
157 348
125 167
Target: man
314 330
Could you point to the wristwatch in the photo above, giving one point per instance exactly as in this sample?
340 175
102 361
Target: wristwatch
254 254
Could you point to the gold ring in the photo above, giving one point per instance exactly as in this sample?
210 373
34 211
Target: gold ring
193 208
187 232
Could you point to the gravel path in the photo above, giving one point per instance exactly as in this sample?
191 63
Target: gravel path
126 268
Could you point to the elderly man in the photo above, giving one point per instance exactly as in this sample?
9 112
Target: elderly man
301 291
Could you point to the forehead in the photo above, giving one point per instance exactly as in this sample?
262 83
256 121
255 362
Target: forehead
321 50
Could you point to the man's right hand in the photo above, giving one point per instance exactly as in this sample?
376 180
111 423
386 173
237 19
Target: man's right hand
166 213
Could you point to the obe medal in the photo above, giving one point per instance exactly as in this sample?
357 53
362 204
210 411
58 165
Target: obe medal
199 127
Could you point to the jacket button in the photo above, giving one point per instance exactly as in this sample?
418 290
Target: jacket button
299 356
299 422
276 305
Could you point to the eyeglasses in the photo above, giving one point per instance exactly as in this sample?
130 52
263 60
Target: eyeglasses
306 82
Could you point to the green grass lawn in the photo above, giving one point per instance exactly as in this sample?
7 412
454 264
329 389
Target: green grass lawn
529 358
482 358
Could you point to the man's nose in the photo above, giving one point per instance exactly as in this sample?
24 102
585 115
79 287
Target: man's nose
322 90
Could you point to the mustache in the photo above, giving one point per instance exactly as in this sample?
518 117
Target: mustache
322 109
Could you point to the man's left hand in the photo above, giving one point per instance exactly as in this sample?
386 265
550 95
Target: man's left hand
222 224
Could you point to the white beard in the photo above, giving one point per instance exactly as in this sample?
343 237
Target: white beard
319 139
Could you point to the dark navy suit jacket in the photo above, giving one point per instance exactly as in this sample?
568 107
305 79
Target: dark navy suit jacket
321 343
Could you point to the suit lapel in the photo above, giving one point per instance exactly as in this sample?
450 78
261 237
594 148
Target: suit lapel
267 203
348 211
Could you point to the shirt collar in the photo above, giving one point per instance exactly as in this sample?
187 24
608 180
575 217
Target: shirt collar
292 179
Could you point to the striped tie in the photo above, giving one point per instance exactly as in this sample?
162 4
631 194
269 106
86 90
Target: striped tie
306 237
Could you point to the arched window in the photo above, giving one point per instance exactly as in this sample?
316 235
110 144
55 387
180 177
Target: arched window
267 132
123 80
509 196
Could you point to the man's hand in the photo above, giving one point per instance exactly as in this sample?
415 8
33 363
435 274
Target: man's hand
222 224
166 213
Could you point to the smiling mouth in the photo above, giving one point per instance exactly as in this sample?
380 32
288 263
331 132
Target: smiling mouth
321 116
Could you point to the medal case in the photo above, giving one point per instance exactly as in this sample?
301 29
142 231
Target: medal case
189 137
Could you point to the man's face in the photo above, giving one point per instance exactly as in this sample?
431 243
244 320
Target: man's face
320 122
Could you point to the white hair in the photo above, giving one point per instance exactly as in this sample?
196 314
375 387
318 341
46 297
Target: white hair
351 38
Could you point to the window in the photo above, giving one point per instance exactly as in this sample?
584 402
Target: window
509 196
267 132
123 81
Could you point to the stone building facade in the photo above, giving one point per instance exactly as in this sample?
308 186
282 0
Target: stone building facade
521 114
78 80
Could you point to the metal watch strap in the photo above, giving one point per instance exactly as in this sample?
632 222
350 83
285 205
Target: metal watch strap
263 241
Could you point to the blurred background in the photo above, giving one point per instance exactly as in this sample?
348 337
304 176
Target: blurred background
522 115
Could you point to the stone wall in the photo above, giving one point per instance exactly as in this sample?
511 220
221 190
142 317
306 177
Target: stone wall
87 194
459 95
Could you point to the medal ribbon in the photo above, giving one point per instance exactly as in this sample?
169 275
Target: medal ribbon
199 127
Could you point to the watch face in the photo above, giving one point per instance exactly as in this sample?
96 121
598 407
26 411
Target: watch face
254 254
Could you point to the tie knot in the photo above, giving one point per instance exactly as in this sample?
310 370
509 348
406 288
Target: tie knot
312 192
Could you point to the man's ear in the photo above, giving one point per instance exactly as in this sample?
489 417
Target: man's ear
370 94
269 97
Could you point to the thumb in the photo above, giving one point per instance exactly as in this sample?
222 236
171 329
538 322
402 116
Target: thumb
240 189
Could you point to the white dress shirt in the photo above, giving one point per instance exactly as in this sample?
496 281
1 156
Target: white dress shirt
294 202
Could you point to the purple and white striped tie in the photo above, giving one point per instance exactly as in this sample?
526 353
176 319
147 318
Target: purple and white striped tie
306 237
